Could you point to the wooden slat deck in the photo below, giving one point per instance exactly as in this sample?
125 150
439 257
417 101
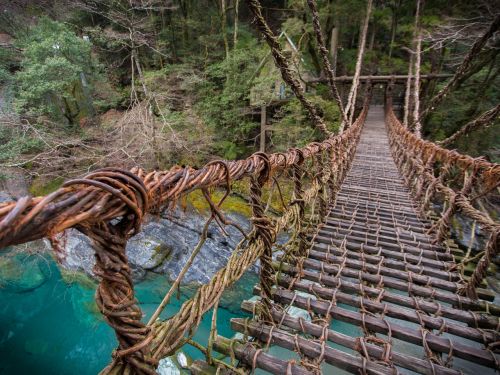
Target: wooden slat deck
373 270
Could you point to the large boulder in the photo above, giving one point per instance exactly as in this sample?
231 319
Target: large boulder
163 246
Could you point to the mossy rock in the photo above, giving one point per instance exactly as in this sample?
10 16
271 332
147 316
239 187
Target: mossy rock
21 273
161 254
40 186
231 203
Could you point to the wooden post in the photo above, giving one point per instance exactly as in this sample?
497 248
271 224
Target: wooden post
263 128
333 48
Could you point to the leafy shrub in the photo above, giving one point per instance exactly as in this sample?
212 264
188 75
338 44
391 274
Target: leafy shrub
54 62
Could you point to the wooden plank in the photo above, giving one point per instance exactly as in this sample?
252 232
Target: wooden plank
375 208
370 250
411 289
309 348
342 199
479 320
364 214
364 227
401 313
358 218
337 256
333 267
343 232
399 359
248 354
377 244
435 342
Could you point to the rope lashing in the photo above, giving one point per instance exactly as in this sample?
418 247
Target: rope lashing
428 171
264 229
284 66
115 293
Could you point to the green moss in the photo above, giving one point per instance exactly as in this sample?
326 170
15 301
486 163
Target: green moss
161 253
41 186
237 201
276 204
231 203
21 273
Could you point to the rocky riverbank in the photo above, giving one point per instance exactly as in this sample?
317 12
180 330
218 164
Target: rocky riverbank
165 242
164 246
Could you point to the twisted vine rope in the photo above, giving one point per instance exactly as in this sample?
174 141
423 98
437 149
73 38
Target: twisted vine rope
324 56
284 66
460 181
109 206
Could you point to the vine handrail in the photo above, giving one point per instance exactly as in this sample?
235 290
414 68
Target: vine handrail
460 182
109 206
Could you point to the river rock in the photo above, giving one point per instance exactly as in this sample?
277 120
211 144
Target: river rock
5 197
461 230
181 233
22 273
182 359
167 366
14 186
163 246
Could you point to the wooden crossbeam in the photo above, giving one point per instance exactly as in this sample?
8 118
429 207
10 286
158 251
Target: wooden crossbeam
400 78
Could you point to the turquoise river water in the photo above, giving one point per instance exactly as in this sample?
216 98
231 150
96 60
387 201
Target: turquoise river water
49 322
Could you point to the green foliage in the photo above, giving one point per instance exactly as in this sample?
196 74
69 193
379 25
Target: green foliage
5 75
13 144
223 95
462 105
293 127
7 61
53 60
203 95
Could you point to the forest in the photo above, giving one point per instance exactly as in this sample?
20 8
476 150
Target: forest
87 84
224 186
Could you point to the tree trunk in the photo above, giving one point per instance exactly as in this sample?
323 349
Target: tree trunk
223 21
314 56
185 16
330 23
236 13
416 96
372 38
394 24
408 91
334 43
263 126
351 102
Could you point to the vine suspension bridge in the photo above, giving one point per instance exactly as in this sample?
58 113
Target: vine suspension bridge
369 245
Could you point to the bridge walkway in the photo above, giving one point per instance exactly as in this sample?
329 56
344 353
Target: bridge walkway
374 295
